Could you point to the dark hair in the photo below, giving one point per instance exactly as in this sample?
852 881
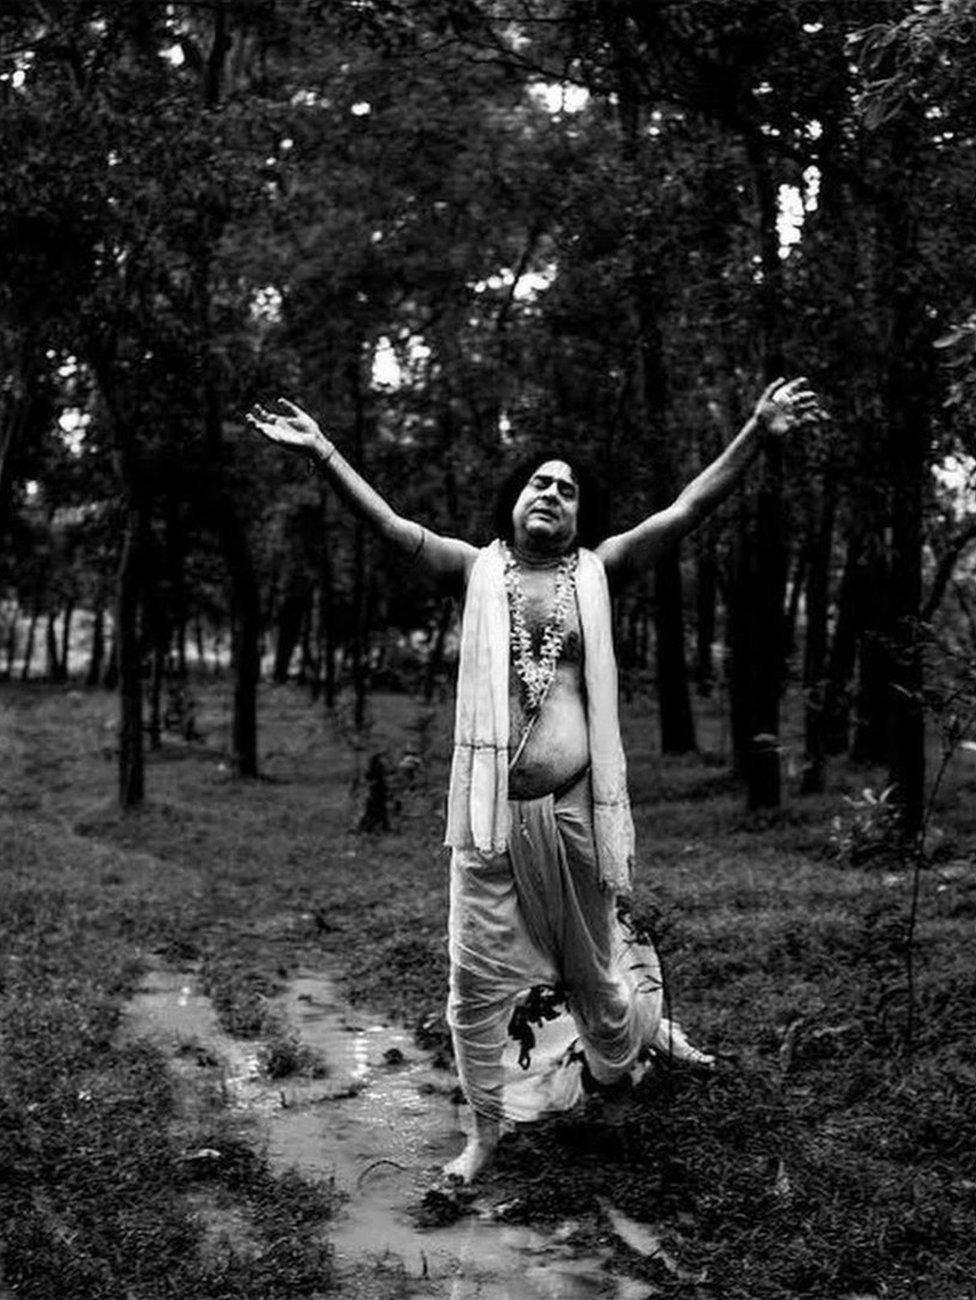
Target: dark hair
592 522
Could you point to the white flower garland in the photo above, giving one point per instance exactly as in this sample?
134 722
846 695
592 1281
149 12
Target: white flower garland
536 674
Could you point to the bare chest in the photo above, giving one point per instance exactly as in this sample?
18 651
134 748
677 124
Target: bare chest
547 623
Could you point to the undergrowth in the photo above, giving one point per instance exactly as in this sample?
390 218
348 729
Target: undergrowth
817 1160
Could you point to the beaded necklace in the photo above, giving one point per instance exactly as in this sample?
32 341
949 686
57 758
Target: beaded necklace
536 673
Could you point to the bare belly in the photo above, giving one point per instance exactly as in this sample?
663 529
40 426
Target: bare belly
559 747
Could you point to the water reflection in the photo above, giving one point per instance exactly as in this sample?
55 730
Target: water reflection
380 1124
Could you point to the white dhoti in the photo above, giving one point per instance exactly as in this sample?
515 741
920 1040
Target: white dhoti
547 980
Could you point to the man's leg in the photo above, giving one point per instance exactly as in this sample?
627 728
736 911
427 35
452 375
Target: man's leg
493 961
478 1151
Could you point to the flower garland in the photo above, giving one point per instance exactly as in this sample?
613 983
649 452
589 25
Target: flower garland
536 673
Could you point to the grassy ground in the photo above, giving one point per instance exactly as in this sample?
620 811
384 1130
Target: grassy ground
819 1160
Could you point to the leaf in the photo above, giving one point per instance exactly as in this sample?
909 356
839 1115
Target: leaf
782 1187
953 337
788 1045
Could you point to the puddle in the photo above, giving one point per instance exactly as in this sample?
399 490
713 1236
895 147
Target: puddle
380 1124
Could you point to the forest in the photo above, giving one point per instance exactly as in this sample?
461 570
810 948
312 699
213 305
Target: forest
451 229
457 231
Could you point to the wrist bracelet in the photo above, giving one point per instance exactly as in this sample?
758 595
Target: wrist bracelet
420 544
315 465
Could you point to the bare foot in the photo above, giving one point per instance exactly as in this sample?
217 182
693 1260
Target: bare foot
669 1041
478 1152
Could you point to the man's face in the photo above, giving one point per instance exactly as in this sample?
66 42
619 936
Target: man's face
546 515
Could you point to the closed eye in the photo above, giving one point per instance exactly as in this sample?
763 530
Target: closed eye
566 490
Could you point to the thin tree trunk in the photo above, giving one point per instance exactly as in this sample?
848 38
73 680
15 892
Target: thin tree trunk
756 640
128 645
12 644
909 384
765 625
435 659
674 700
53 670
97 655
29 645
306 660
870 743
651 416
292 616
156 679
181 666
245 597
793 604
360 645
69 611
843 651
706 599
245 635
328 622
815 646
199 642
111 679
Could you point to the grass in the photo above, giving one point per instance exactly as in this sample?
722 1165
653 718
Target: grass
818 1161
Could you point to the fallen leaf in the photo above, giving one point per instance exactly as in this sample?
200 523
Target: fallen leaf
788 1045
782 1187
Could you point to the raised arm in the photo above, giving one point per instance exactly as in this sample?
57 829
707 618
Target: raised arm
782 406
294 428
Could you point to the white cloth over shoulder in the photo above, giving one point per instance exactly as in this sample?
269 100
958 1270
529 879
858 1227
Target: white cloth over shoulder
478 815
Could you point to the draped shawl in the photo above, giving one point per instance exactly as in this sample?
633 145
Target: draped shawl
478 811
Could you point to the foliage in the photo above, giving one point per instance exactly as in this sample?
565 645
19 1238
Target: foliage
869 834
562 225
816 1158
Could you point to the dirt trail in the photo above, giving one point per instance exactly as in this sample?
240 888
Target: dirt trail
380 1124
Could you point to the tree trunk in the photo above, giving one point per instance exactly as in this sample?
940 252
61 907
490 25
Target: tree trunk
245 596
327 629
128 651
69 611
53 670
674 700
199 642
245 634
756 640
793 604
307 665
156 679
761 638
651 417
181 667
29 645
360 644
97 657
870 743
12 644
292 614
111 678
909 391
843 651
435 658
706 600
815 646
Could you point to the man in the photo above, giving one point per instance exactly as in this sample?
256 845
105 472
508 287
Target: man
550 988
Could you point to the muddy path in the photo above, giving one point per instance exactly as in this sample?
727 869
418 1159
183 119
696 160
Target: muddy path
377 1120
